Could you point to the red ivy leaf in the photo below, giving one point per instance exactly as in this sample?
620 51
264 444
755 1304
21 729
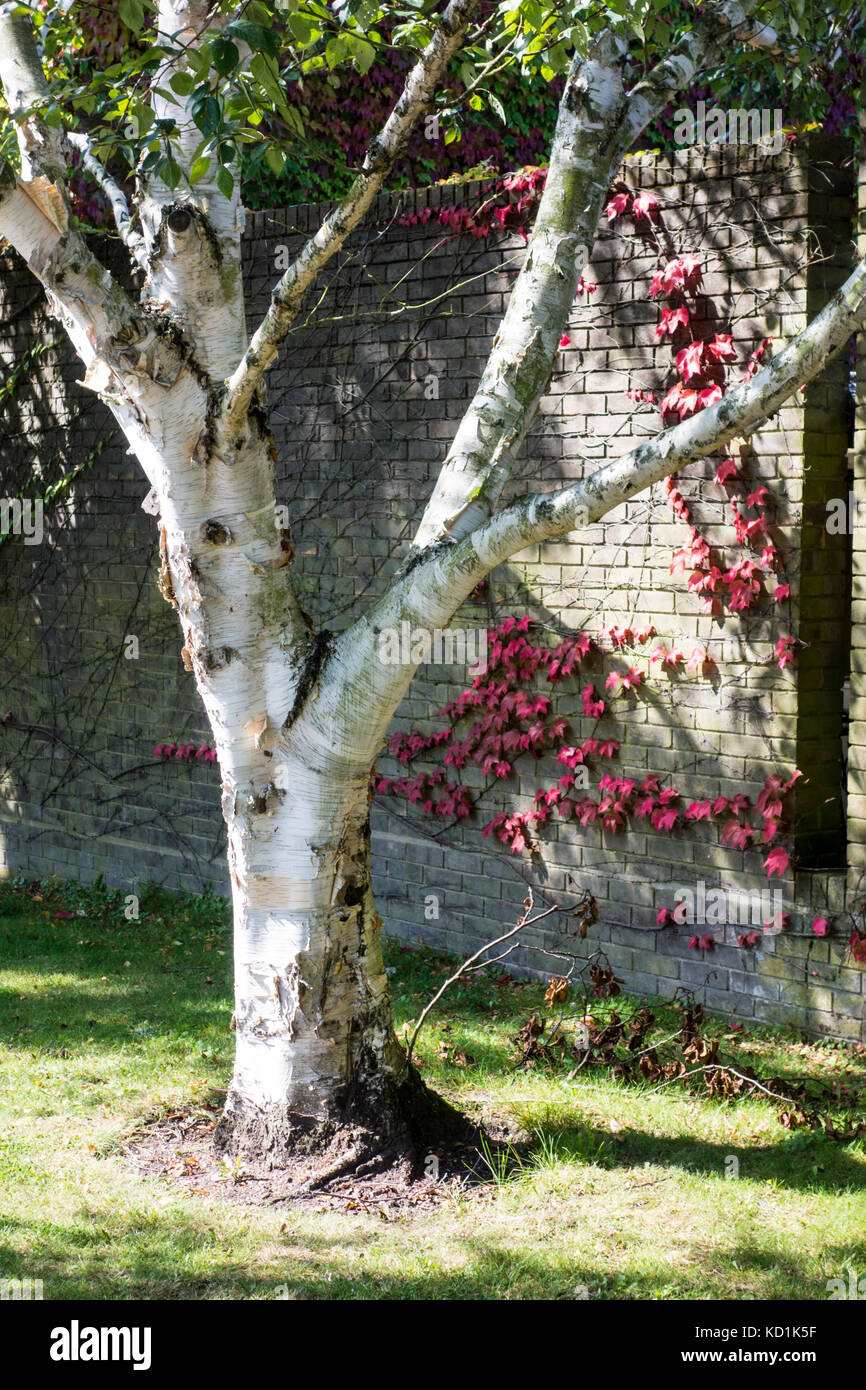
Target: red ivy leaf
858 947
645 205
777 861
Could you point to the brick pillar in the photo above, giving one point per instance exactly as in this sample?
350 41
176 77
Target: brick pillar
824 598
857 729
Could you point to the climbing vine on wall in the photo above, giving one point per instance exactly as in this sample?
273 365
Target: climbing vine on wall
49 479
503 717
329 112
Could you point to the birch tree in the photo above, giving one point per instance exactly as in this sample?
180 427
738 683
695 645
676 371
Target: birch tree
299 716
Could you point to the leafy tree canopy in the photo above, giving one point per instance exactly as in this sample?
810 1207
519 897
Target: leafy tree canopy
290 92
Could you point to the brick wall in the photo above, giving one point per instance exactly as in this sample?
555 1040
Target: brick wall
366 397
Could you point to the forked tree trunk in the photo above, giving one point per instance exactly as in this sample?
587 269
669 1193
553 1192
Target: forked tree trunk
296 733
316 1049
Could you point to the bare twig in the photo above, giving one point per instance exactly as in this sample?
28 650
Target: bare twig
524 921
716 1066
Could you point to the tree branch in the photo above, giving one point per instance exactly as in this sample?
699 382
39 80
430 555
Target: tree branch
36 217
714 28
453 572
132 239
25 86
106 328
429 589
110 334
597 123
416 98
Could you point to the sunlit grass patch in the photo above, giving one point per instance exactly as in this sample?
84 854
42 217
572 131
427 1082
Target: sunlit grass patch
610 1189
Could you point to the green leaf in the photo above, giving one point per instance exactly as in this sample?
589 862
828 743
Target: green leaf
170 172
557 59
182 83
263 72
335 51
131 13
144 118
206 114
497 107
224 181
362 52
199 168
302 29
579 38
259 38
199 62
225 56
295 119
276 160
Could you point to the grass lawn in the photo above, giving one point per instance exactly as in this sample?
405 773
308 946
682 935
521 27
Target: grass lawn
105 1023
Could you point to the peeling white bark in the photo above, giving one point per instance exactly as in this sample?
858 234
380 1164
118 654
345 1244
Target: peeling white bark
115 195
312 1011
587 148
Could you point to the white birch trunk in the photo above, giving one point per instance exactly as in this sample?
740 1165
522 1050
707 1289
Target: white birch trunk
315 1044
316 1050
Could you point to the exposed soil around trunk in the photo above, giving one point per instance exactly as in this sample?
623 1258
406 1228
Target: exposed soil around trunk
344 1167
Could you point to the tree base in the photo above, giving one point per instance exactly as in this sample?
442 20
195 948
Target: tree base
408 1123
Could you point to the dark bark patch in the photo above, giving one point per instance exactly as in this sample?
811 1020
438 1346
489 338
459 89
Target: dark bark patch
316 658
216 533
217 658
163 581
380 1121
428 552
